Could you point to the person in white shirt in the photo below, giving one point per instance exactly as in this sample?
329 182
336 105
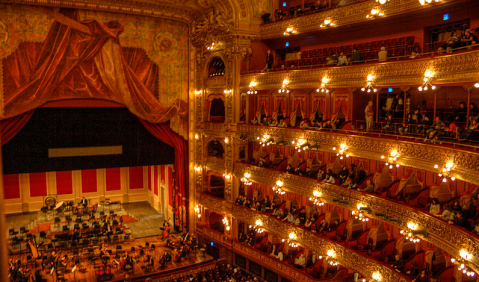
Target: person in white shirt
280 256
289 218
301 261
329 178
342 60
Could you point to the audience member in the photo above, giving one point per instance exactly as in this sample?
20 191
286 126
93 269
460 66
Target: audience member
468 39
343 174
422 277
414 270
460 220
369 187
434 207
453 41
369 112
461 113
329 178
414 55
289 169
282 123
398 263
356 57
269 61
383 54
289 218
342 59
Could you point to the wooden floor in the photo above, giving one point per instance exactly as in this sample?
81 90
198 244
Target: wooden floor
88 272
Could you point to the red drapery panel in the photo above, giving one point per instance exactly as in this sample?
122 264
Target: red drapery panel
11 126
11 186
344 104
82 59
165 134
89 181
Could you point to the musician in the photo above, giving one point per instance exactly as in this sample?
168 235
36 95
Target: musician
185 237
165 258
170 243
39 277
165 225
106 229
50 259
181 253
104 251
84 202
127 261
63 262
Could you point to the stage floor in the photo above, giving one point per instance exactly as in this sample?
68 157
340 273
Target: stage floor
192 260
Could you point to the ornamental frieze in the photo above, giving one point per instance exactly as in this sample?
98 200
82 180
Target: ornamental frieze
215 163
441 234
453 68
346 257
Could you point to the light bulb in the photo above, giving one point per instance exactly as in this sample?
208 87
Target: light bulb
382 2
420 88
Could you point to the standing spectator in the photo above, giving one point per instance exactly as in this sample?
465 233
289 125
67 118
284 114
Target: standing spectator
369 112
461 113
473 112
356 57
383 54
342 60
269 61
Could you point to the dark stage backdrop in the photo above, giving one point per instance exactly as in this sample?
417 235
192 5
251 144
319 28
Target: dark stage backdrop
50 128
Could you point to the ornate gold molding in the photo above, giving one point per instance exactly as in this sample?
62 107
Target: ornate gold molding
339 16
214 235
347 257
214 163
441 234
212 203
452 68
281 268
414 154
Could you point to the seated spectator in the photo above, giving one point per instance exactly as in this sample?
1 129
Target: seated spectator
278 15
447 214
356 57
298 171
249 240
309 172
470 133
255 121
319 6
304 124
451 129
383 54
453 41
476 229
437 127
280 256
349 183
414 55
300 262
449 50
327 125
369 187
262 162
325 5
342 60
239 200
329 178
414 270
473 112
265 121
308 224
323 226
296 220
266 204
434 207
389 123
248 203
273 123
273 251
289 218
289 169
331 60
460 220
468 39
461 113
316 123
405 126
440 51
422 277
282 123
456 207
343 175
321 175
302 216
276 212
398 263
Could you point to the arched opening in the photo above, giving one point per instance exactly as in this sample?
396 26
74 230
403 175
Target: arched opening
217 110
215 149
216 67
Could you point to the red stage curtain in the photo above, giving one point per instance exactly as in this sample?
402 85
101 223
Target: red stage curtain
82 59
164 133
11 126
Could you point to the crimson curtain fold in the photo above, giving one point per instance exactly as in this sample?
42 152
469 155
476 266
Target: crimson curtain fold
11 126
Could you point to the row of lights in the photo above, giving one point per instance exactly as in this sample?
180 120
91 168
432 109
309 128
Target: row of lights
461 262
226 223
277 189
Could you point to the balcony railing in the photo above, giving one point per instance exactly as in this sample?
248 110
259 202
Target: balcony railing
452 68
345 256
440 233
413 154
214 203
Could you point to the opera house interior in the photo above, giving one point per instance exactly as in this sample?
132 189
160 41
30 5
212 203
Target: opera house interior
239 140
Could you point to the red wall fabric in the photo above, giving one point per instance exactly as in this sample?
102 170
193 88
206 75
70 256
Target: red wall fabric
136 177
156 184
11 186
38 184
88 181
170 184
113 179
64 183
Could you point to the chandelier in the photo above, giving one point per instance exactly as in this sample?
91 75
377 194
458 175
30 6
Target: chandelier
382 2
375 12
359 214
278 189
461 262
445 172
424 2
411 231
369 84
228 91
246 180
316 198
427 81
342 151
210 46
329 257
290 241
322 88
265 140
300 144
327 23
257 226
392 160
284 87
197 168
197 211
289 31
252 86
226 223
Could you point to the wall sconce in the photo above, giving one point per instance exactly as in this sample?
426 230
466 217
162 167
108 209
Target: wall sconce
252 86
228 91
284 87
289 31
329 257
369 84
226 140
427 81
266 140
382 2
411 231
322 88
342 151
392 160
257 227
445 172
359 213
226 176
376 276
300 144
462 261
198 168
327 23
424 2
226 223
210 46
198 92
246 180
292 238
278 189
197 136
316 198
375 12
476 85
197 211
